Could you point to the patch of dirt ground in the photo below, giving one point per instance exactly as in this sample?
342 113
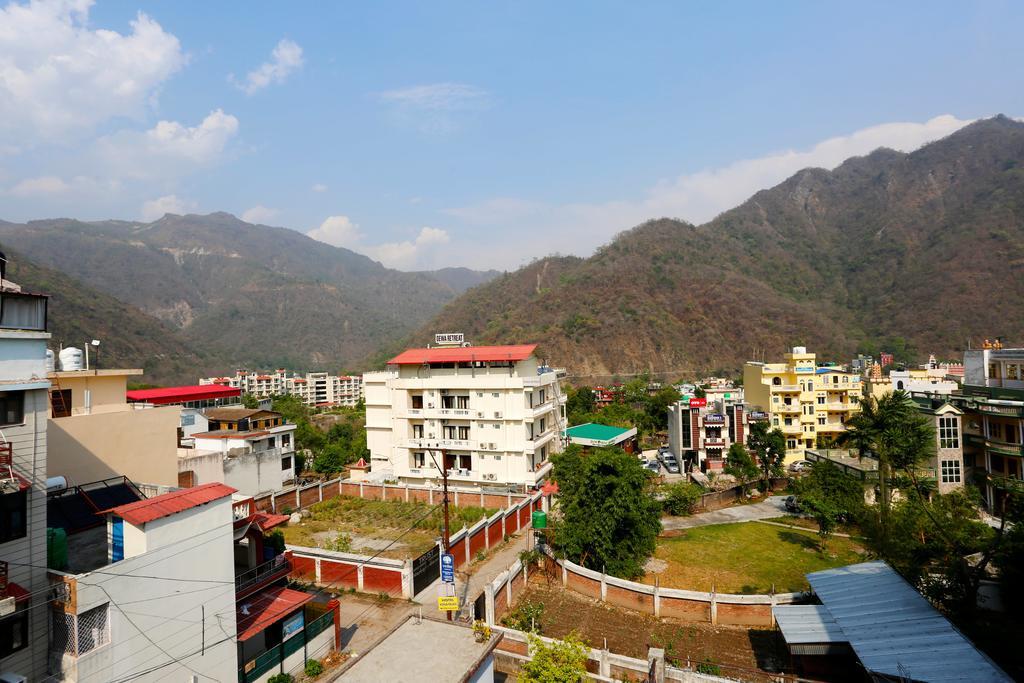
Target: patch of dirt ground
741 653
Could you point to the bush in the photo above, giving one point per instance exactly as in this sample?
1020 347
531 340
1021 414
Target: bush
275 539
314 668
709 667
342 543
564 661
281 678
526 617
681 498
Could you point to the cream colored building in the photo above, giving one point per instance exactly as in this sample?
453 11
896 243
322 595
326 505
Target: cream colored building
95 434
805 401
491 415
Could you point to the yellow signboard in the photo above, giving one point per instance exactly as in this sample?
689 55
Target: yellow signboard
448 602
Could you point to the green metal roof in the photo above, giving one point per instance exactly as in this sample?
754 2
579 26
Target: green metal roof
596 432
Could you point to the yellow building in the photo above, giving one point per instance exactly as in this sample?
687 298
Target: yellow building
808 403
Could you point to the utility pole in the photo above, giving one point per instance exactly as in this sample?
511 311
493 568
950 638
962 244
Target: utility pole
446 532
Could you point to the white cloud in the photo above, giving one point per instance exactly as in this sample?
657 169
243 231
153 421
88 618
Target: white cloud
168 148
284 60
338 231
43 185
410 254
319 187
515 230
59 76
259 214
436 107
156 208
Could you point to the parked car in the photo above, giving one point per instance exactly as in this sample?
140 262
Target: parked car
670 463
653 466
791 504
662 449
799 466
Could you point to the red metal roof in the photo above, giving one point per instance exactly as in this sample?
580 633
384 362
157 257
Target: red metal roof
267 521
464 354
262 609
167 395
168 504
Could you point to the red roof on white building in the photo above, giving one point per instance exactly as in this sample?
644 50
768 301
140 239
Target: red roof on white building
464 354
195 392
172 503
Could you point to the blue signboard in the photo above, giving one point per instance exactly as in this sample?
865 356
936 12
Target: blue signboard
292 625
448 568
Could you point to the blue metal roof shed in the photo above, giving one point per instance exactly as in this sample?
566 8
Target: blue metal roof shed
891 628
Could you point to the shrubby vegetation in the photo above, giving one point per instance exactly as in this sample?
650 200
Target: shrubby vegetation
343 444
633 407
562 661
680 498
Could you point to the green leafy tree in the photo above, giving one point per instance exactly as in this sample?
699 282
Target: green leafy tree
699 392
739 464
579 403
825 481
562 661
657 407
250 401
291 407
1009 558
769 447
332 458
609 519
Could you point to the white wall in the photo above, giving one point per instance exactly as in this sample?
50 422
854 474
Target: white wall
154 621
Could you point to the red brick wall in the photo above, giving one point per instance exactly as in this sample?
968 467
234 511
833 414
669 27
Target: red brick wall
420 495
458 549
687 610
745 615
350 490
510 523
303 568
641 602
376 580
309 496
476 543
586 586
524 517
263 503
500 604
494 533
513 646
339 574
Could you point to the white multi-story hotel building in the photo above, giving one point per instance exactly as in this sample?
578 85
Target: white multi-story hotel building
314 388
491 415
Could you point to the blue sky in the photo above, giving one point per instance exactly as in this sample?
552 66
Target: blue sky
479 134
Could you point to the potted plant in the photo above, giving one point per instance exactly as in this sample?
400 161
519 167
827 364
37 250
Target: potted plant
481 631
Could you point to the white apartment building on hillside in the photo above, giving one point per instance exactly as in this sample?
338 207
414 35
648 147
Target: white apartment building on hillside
495 411
314 388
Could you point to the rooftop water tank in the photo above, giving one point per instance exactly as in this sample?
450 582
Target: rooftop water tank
799 349
71 359
51 361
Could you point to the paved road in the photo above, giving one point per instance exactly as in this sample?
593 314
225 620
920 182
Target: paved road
772 506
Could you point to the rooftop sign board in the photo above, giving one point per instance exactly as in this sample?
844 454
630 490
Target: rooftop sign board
698 402
449 338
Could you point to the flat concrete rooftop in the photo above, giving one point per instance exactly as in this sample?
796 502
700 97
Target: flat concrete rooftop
421 650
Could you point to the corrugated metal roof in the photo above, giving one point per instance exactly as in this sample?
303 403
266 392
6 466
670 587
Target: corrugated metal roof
802 624
197 392
464 354
894 630
168 504
599 432
257 612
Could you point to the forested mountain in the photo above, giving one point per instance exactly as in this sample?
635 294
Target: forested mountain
238 294
924 249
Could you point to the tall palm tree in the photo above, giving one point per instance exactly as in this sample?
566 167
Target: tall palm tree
892 429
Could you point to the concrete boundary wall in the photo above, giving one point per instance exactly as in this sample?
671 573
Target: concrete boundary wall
602 665
687 605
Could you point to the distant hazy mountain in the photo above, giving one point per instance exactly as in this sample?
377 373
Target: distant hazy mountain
241 294
927 247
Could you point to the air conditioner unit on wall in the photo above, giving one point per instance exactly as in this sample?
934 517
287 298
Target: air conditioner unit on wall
497 415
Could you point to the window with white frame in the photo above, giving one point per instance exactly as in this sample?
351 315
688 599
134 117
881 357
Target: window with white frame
419 459
949 432
950 471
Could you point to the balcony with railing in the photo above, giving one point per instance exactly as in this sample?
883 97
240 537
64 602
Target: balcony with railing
251 580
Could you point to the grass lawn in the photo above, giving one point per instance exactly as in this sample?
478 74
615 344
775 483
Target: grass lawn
746 558
373 524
